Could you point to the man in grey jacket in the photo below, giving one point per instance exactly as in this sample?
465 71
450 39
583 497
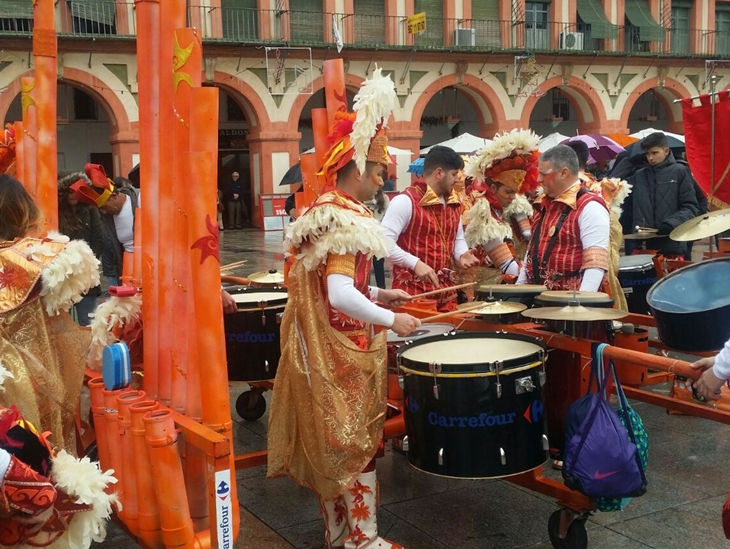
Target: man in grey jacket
663 197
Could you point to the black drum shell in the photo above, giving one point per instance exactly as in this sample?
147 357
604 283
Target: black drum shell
470 423
635 283
253 346
693 331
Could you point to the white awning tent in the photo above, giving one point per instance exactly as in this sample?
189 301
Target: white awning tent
550 141
643 133
466 143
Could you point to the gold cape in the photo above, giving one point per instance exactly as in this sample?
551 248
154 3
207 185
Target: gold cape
328 409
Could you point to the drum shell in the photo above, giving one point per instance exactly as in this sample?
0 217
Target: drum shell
635 283
469 423
253 341
693 331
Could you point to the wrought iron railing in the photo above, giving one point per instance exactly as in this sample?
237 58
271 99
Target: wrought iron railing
107 18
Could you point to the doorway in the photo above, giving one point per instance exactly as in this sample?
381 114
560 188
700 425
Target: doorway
236 160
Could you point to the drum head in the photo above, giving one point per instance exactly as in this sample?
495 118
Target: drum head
566 296
636 262
426 330
248 297
471 352
696 288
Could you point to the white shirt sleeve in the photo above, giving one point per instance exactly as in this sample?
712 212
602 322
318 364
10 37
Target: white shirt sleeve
593 224
4 462
460 246
344 297
721 369
396 219
124 225
522 277
591 281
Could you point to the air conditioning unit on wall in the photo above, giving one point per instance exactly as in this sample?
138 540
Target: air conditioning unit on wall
571 40
464 37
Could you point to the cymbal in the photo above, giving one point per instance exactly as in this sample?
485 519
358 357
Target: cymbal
702 226
642 235
494 307
511 288
267 277
576 313
565 296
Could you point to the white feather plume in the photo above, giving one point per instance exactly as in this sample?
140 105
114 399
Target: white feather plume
482 227
373 104
519 205
503 145
114 312
71 274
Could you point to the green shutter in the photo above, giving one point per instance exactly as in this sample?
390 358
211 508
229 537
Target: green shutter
20 9
639 14
592 13
100 11
240 19
434 35
306 21
369 22
485 22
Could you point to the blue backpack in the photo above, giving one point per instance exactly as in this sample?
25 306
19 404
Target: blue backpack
601 460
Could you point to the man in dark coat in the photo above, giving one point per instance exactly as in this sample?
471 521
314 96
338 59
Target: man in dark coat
663 197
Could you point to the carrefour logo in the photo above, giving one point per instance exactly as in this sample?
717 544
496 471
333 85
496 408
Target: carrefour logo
223 491
250 337
534 411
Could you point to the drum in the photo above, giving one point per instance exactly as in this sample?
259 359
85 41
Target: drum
522 293
252 333
691 306
395 393
599 330
636 275
474 405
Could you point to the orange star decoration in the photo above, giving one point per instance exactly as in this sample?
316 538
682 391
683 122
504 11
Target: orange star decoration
360 512
13 277
208 245
180 58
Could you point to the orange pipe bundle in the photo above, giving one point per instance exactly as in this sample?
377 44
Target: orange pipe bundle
148 43
167 475
335 92
96 388
148 513
320 130
116 459
45 53
129 484
30 130
309 178
19 152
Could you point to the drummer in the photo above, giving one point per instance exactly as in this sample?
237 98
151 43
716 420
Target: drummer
501 171
570 230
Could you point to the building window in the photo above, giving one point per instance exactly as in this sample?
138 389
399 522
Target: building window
722 29
85 107
560 104
537 34
632 38
680 29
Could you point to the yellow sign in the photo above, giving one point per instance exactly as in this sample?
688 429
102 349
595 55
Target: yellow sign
417 23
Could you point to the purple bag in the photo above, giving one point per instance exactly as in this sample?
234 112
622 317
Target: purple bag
600 459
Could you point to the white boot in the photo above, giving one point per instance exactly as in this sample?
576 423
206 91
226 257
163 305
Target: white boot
334 513
361 502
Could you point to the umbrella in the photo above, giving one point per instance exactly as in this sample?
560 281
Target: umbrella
643 133
466 143
677 145
416 167
133 176
623 139
600 147
292 176
551 140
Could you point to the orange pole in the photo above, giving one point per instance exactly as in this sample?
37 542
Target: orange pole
148 519
29 135
130 502
148 43
137 256
162 439
45 53
320 130
335 91
309 178
96 386
19 152
111 414
127 268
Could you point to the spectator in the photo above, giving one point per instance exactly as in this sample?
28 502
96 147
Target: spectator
389 184
237 212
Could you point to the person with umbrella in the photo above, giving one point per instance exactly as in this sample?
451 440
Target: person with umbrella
663 197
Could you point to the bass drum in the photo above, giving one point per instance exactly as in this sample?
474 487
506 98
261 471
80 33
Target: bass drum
636 275
474 405
691 306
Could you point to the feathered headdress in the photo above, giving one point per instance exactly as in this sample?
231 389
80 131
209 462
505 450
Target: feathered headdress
360 136
7 148
510 159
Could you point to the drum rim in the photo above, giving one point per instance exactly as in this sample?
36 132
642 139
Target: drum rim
470 375
253 305
553 298
538 355
404 339
650 293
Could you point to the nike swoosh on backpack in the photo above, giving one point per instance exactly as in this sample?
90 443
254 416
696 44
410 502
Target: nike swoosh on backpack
598 475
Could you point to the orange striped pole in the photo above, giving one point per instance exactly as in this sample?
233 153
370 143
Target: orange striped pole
335 91
45 53
96 386
148 519
29 135
130 501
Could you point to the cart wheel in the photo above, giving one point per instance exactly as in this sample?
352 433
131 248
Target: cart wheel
575 538
251 405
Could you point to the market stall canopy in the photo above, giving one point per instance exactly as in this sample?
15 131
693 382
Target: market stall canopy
466 143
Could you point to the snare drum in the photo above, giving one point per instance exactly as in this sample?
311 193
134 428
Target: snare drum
395 393
252 333
636 275
474 406
522 293
599 330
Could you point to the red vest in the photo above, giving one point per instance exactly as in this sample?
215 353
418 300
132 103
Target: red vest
430 236
561 269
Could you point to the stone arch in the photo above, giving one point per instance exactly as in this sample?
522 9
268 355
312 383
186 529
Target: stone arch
247 98
482 97
582 96
667 93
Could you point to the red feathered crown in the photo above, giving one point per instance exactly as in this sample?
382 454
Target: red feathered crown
101 188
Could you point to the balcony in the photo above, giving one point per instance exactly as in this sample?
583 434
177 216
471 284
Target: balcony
110 19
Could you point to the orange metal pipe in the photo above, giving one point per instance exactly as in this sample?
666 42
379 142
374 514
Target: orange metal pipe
148 44
148 519
19 152
45 53
29 135
137 256
129 501
167 474
96 388
320 131
334 88
395 426
309 178
111 414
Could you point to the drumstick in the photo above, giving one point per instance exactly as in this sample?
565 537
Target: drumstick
452 313
441 290
233 265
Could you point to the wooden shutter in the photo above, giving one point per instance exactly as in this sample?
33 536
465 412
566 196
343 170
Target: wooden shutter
240 20
369 22
434 35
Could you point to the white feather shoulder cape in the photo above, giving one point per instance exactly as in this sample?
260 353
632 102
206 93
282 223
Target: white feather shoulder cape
482 227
